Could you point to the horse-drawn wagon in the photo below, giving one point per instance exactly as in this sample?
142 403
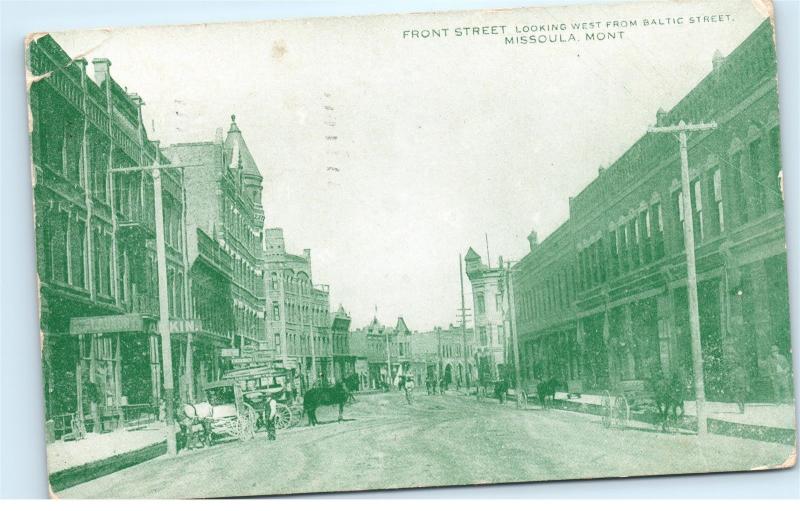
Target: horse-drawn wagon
660 397
228 416
258 383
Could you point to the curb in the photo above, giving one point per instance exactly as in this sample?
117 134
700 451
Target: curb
73 476
717 426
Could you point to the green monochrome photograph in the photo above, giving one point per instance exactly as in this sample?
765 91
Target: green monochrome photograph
411 250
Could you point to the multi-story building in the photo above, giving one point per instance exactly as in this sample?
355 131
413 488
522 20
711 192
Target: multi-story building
95 244
604 299
298 313
225 221
455 368
388 350
344 362
488 296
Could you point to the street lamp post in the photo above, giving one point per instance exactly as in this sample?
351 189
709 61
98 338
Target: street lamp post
691 270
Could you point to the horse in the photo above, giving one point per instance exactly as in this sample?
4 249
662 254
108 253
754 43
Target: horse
351 384
668 396
546 389
500 390
322 396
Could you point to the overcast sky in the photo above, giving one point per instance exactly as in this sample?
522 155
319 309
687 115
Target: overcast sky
439 140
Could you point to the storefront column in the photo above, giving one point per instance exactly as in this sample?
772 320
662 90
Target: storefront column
189 368
96 427
79 379
761 320
118 381
610 350
155 371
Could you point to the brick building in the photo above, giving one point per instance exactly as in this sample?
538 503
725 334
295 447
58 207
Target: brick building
603 299
225 219
385 345
488 296
298 312
95 245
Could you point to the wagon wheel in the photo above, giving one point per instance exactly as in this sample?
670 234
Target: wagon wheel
622 411
246 424
297 415
606 403
283 419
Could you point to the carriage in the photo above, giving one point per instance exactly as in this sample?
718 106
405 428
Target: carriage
229 417
658 396
258 383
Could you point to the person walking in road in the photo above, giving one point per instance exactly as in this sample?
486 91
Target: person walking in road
408 387
779 374
428 386
271 413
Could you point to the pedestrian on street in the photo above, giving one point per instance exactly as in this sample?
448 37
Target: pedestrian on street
271 413
408 387
779 371
428 386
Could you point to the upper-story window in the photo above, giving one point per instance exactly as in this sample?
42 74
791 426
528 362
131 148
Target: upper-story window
756 197
480 303
776 173
697 206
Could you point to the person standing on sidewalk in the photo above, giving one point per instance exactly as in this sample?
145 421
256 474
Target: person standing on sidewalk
779 374
739 386
271 413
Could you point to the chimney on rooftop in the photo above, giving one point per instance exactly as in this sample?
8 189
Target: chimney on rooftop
717 60
218 136
661 116
307 254
533 240
102 70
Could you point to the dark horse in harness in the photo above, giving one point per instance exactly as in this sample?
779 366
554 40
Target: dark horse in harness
668 396
547 389
322 396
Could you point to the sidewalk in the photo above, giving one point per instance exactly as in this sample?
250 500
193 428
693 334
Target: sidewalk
74 462
768 422
755 414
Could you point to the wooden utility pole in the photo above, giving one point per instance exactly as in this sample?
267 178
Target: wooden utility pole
163 308
463 325
514 338
163 297
691 270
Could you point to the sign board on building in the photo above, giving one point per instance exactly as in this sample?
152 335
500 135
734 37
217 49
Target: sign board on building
184 326
229 352
107 324
241 360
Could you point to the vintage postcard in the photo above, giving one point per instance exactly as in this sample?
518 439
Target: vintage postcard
417 250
